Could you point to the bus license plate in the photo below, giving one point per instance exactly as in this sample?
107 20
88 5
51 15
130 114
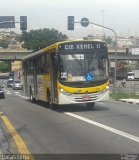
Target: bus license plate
86 98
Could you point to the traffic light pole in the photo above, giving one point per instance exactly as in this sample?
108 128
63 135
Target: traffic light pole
21 21
115 47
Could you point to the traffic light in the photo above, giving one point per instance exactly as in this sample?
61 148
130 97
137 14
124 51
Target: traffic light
70 22
23 22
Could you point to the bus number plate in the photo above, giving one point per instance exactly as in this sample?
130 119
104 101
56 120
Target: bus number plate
86 98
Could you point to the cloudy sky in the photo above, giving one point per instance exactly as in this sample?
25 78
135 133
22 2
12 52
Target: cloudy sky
120 15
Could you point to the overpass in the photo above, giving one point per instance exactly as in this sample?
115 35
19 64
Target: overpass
122 55
18 54
13 54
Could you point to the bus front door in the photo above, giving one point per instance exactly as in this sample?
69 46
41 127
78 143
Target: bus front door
54 75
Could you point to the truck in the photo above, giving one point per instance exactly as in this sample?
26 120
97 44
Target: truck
133 75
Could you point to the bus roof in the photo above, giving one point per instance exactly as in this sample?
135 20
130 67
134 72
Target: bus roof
55 47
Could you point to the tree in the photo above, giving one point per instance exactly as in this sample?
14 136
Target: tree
38 39
3 67
108 40
4 43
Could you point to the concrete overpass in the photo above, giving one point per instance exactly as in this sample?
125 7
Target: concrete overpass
121 54
18 54
13 54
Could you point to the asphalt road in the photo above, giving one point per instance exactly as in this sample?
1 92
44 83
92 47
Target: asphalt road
110 128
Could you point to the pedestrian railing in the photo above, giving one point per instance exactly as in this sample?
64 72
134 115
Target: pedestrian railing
128 88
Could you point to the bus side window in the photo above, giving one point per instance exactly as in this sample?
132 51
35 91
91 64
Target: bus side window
42 63
46 63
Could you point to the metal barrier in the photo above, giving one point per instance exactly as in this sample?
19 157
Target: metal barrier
129 88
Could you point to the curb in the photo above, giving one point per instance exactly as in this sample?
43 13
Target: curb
131 101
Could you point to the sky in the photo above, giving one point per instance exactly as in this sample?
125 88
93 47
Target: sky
119 15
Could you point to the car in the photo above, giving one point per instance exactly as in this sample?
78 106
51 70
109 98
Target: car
9 83
2 95
17 85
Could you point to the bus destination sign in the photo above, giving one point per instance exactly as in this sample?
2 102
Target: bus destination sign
81 46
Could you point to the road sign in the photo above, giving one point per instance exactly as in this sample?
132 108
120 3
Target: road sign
7 22
84 22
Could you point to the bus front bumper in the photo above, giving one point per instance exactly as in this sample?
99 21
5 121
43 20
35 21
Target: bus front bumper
79 98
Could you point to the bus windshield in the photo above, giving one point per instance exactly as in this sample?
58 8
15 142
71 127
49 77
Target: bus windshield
76 67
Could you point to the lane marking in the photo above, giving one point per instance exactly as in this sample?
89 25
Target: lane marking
116 131
22 148
16 92
23 96
8 92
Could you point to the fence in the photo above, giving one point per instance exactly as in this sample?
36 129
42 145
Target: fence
129 88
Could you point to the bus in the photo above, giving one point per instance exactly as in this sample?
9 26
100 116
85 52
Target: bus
68 72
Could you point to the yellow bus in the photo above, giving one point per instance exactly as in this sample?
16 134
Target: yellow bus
68 72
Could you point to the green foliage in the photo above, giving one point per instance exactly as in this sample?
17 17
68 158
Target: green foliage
123 95
3 67
38 39
4 43
108 40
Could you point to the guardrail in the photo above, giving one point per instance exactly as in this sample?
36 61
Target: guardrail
129 88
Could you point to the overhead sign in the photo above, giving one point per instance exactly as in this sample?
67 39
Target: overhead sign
7 22
84 22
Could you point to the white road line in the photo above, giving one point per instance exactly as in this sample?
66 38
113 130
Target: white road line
8 92
16 92
124 134
23 97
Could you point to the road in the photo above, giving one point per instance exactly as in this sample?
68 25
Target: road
110 128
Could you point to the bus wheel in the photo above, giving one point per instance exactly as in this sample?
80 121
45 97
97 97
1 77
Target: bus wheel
49 99
31 96
90 105
51 105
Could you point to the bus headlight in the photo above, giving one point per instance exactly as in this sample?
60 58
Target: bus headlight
104 90
107 87
65 92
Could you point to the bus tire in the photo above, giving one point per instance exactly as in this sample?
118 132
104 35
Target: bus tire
50 103
90 105
49 99
31 96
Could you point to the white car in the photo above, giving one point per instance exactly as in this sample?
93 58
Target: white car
17 85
